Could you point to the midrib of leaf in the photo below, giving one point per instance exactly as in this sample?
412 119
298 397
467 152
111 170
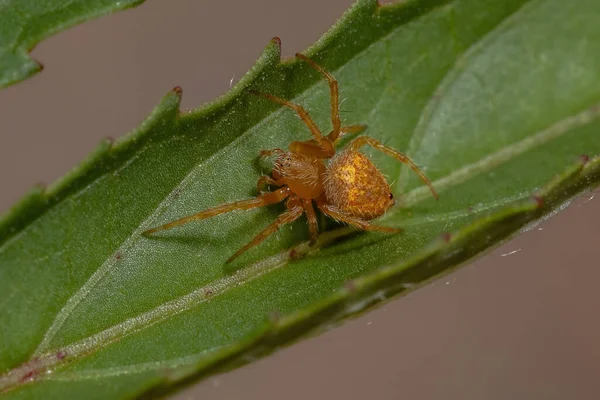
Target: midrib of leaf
84 347
70 376
505 154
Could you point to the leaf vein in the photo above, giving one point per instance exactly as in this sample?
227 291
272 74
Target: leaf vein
449 79
506 153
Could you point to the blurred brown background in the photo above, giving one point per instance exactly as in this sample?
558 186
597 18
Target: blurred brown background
521 322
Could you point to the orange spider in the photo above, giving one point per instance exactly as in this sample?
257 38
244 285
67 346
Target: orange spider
349 188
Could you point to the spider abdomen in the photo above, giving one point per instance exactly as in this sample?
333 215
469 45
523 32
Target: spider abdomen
354 185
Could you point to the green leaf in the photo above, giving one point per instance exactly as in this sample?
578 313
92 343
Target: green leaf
26 22
497 101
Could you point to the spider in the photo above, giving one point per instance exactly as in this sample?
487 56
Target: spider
349 188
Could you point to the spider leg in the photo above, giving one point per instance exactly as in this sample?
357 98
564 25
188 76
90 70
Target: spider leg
376 144
266 180
350 129
312 220
294 211
333 88
303 114
259 201
267 153
312 148
335 213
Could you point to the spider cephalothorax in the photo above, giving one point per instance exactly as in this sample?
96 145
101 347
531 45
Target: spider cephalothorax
345 186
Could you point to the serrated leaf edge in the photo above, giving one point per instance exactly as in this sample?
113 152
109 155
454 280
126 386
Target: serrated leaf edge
31 66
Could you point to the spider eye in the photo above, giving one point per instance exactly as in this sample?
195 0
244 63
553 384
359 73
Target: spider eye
391 196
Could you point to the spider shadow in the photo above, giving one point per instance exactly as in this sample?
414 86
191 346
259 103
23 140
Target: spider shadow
284 239
203 240
349 243
189 239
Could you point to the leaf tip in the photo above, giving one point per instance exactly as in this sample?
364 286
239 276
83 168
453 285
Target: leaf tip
178 91
276 41
273 50
37 66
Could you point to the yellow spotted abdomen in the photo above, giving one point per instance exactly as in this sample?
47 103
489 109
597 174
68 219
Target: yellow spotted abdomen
355 186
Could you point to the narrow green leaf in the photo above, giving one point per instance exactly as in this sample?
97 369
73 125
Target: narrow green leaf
497 101
27 22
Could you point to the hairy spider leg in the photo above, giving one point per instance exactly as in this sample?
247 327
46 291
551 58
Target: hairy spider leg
294 211
267 153
336 122
350 129
302 113
323 148
376 144
264 181
311 217
338 130
262 200
338 215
